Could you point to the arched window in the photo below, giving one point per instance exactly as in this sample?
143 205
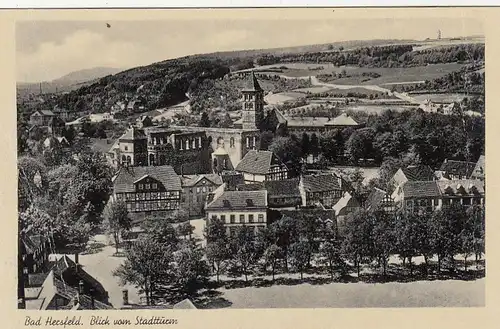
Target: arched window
151 160
129 160
231 142
220 141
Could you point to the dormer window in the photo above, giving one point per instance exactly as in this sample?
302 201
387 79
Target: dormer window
154 186
249 202
226 203
147 186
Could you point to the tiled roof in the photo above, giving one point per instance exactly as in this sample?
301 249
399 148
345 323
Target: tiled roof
257 162
321 183
283 188
240 200
36 279
421 189
461 187
479 169
250 187
461 168
375 198
133 134
192 180
341 120
418 173
253 84
32 242
126 177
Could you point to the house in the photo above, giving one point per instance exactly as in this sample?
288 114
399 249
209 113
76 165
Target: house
195 189
136 105
432 195
56 126
479 169
238 208
56 294
412 173
61 112
148 189
345 205
379 200
144 121
325 189
41 117
283 193
232 179
35 250
259 166
453 170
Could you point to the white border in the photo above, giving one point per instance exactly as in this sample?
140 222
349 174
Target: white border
20 4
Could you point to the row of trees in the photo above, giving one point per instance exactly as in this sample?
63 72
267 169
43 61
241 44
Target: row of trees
364 238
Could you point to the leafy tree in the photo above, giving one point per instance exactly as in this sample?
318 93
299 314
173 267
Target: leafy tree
300 253
314 147
117 220
332 144
271 256
217 255
331 255
384 239
357 233
406 233
189 267
243 249
204 121
305 144
285 230
473 242
289 151
161 230
147 265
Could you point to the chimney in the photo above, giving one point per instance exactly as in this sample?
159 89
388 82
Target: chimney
125 296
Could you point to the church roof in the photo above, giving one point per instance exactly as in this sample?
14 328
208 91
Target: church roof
253 85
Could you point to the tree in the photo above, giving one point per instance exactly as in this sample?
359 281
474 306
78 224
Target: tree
285 231
406 233
384 239
265 140
243 249
289 151
147 265
314 148
473 242
189 267
271 256
217 255
161 230
300 253
305 144
204 121
357 233
331 255
117 220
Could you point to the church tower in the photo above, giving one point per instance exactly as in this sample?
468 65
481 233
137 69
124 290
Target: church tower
253 104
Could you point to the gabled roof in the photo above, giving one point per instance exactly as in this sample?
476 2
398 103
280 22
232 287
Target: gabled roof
133 134
342 120
283 188
239 200
421 189
31 242
479 169
347 200
321 182
45 112
192 180
418 173
461 187
126 177
257 162
375 198
185 304
461 168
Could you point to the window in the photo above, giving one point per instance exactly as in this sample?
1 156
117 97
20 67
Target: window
261 218
223 218
141 186
147 186
250 218
214 217
154 186
148 195
190 190
232 218
204 189
163 195
197 190
242 218
210 189
125 148
231 142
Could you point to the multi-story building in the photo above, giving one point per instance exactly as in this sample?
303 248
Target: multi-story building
260 166
148 189
432 195
195 191
324 189
411 173
238 208
456 170
35 252
41 118
379 200
132 148
283 193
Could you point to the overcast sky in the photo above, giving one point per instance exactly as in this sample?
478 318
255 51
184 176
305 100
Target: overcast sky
46 50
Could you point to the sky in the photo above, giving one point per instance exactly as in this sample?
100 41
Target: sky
47 50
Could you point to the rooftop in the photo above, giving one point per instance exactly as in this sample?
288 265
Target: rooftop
418 173
239 200
166 175
421 189
342 120
192 180
321 182
454 167
257 162
283 188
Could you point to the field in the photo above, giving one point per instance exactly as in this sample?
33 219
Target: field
440 98
280 98
449 293
388 75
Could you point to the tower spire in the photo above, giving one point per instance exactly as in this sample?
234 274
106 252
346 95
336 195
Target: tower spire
255 83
